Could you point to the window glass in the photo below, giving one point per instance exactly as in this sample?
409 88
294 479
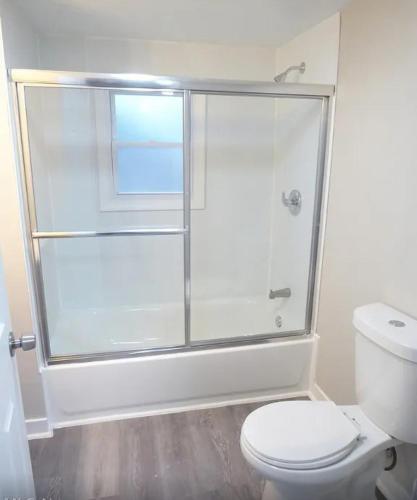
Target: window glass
147 143
149 170
145 118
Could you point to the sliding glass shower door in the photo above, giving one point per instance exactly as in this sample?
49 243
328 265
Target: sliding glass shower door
105 183
164 214
252 251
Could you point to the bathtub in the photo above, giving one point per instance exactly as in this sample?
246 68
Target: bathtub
94 391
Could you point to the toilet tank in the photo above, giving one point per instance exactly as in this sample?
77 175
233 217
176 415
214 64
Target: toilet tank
386 369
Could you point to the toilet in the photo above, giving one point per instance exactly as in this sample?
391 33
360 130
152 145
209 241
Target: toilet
317 450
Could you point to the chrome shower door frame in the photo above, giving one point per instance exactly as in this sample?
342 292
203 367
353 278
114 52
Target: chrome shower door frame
22 79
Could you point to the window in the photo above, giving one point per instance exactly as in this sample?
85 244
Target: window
140 150
147 143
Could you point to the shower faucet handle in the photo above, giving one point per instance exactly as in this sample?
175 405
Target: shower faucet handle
293 201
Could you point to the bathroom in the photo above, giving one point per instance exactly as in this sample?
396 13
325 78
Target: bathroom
163 313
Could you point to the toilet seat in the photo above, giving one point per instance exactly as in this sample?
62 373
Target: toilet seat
369 449
300 435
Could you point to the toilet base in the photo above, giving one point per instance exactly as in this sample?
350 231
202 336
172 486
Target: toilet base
359 486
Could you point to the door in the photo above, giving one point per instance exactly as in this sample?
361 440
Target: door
16 479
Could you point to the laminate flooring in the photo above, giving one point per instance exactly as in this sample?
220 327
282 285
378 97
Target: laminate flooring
190 455
193 455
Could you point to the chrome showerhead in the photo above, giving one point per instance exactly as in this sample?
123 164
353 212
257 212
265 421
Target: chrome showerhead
282 76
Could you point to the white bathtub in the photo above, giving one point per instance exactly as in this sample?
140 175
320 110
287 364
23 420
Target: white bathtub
130 387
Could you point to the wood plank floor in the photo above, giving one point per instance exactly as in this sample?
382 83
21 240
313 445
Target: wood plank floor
192 455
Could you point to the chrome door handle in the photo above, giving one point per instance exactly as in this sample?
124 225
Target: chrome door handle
26 343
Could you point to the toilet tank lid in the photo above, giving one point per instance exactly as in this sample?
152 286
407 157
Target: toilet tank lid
391 329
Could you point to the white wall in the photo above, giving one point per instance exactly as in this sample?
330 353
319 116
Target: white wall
230 237
20 39
371 240
20 50
155 57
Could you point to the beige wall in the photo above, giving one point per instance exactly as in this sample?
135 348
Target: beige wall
371 240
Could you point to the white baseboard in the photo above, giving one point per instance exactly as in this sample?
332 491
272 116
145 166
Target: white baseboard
38 428
316 393
179 409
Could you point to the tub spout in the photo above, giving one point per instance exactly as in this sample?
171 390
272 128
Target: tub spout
282 292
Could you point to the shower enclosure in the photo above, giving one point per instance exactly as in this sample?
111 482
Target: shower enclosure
168 215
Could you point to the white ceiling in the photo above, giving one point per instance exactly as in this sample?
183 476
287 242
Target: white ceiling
264 22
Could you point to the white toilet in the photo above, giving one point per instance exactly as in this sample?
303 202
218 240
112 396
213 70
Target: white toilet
316 450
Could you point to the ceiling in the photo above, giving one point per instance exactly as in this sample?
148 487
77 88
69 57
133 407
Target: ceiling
263 22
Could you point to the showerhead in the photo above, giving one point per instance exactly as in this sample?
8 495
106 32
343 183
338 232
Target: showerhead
282 76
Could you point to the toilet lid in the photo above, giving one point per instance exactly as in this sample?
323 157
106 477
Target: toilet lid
300 434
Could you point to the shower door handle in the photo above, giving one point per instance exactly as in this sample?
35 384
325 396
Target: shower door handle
26 343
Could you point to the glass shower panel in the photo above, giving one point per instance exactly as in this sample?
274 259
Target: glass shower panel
105 159
110 294
245 242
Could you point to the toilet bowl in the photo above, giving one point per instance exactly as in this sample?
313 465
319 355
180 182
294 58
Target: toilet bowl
316 450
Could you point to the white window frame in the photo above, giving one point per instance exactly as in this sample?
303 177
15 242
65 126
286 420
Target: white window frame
110 199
